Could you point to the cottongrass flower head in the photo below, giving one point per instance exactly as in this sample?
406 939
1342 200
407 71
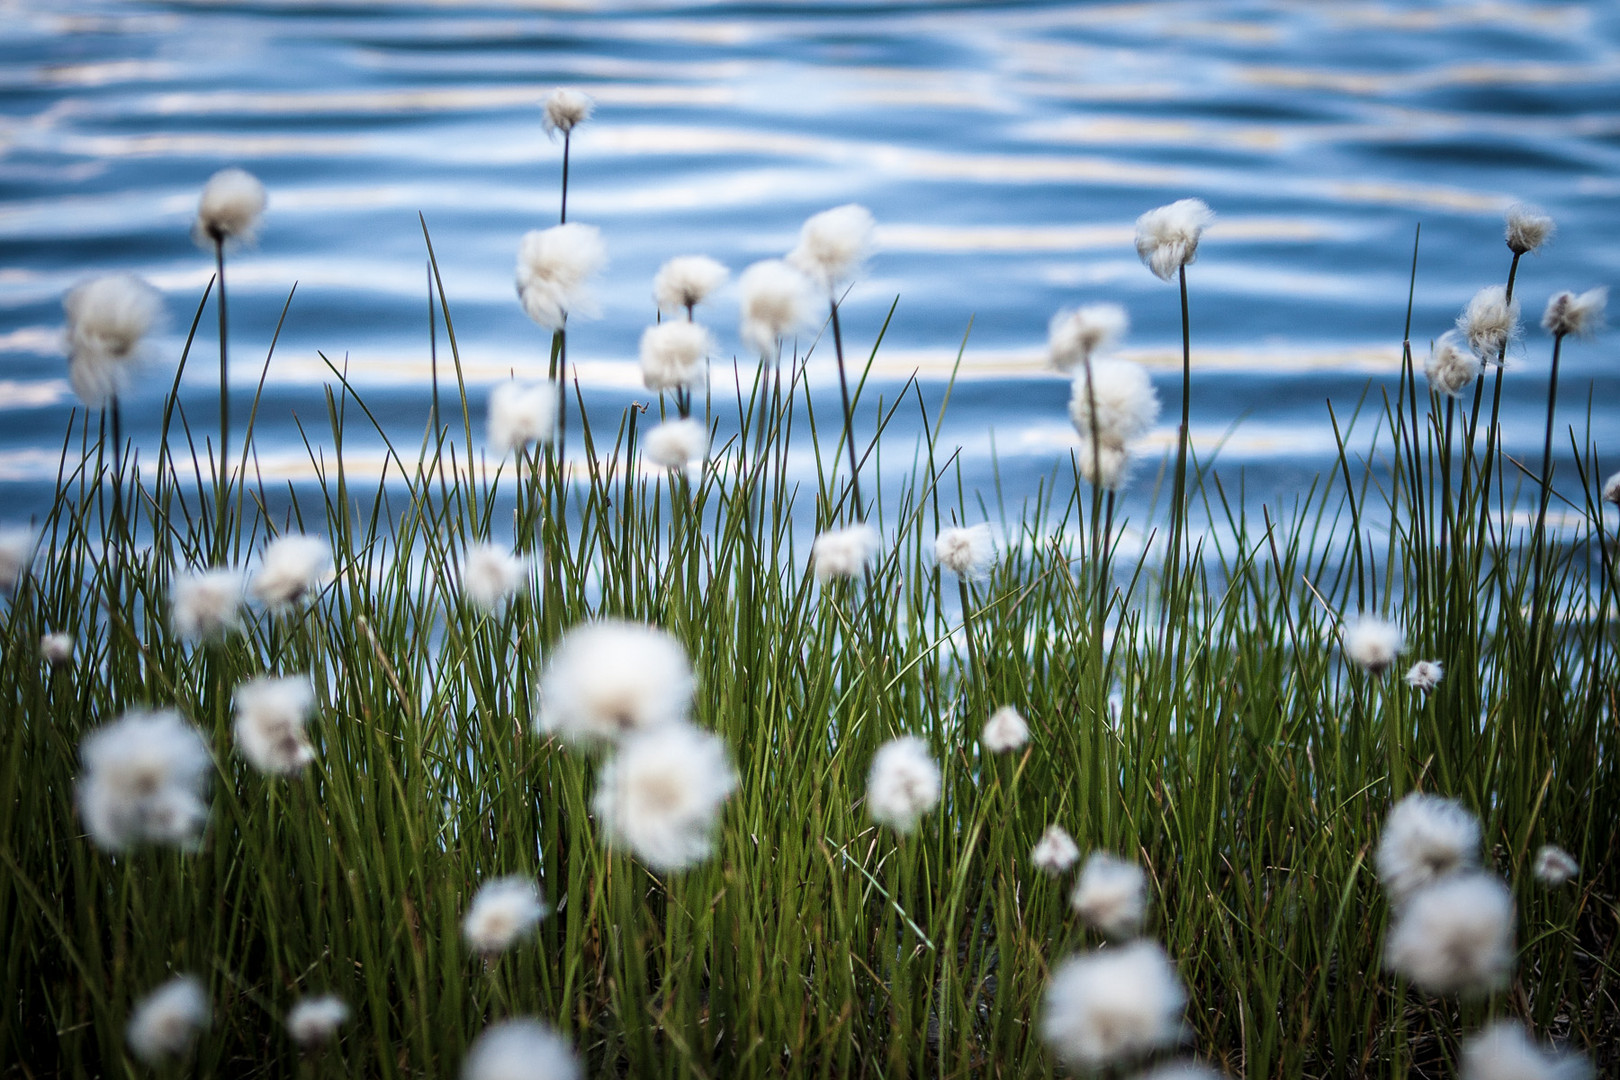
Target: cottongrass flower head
1425 675
491 575
520 1049
1526 228
206 604
565 110
674 356
776 302
1455 936
1554 866
1076 335
1126 403
16 556
520 415
316 1020
844 552
1111 895
229 209
1167 238
1490 322
271 715
609 678
1005 731
1112 1006
1055 852
661 795
1426 838
292 568
1104 465
1502 1051
677 444
1180 1070
554 268
108 319
504 911
1373 643
966 552
1578 314
833 245
145 775
685 281
56 649
1611 489
1451 367
168 1020
903 783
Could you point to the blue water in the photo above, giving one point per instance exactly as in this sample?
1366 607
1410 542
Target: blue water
1005 148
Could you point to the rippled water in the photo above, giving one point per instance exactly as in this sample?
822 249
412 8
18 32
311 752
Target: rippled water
1006 149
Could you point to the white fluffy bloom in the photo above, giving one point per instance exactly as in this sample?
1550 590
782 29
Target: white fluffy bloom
271 714
661 795
491 575
776 302
1490 322
903 783
676 444
520 415
565 110
108 318
674 355
1527 228
1554 866
1126 402
609 678
845 552
1111 895
1106 465
686 281
292 568
56 649
206 603
1579 314
1180 1070
315 1020
1167 238
554 268
1005 730
1502 1051
1611 493
966 552
16 556
1425 675
1451 368
229 208
833 245
168 1020
1075 336
145 775
504 911
1426 838
520 1050
1055 852
1113 1005
1373 643
1455 936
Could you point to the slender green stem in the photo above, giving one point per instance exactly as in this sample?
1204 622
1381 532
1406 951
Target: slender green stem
222 480
849 418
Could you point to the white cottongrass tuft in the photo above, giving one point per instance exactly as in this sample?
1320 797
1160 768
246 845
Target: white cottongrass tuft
56 649
1426 838
1112 1006
520 1050
16 556
1527 228
1502 1051
271 714
1554 866
1611 492
520 415
1373 643
108 319
1578 314
1111 895
168 1020
490 576
674 356
554 268
833 245
607 679
1455 936
1180 1070
1005 731
1075 336
661 795
1451 368
206 604
1490 322
677 444
1425 675
1167 238
565 110
292 568
1055 852
229 208
315 1020
686 281
966 552
1106 465
903 783
1126 403
776 302
145 775
504 911
845 552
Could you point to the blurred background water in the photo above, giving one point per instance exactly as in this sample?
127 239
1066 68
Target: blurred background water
1005 148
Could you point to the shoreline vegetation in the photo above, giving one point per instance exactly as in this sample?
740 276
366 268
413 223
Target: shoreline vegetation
630 783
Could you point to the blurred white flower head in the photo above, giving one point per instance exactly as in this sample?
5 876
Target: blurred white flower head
1113 1006
1005 731
1111 895
1455 936
291 570
1502 1051
491 575
520 415
776 303
1076 335
1125 401
1611 492
686 281
504 911
56 649
1105 465
1451 367
1554 866
1490 322
1425 675
1526 228
316 1020
520 1049
229 208
674 356
554 269
565 110
609 678
1055 852
1576 314
966 552
1425 838
903 783
662 793
168 1020
108 319
271 715
833 246
677 444
16 555
844 552
144 780
206 604
1167 238
1373 643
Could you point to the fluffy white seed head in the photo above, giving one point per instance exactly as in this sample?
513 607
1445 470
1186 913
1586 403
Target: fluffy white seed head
144 780
292 569
776 303
1490 322
1425 675
662 793
845 552
966 552
607 679
1554 866
520 415
1005 731
1577 314
1055 852
833 245
108 319
903 783
316 1020
271 715
1611 492
1111 895
1527 228
1426 838
1167 238
1502 1051
1126 403
1180 1070
168 1020
1076 336
565 110
503 912
674 356
16 556
1106 465
1451 367
1455 936
686 281
677 444
491 575
554 269
206 604
56 649
229 208
1113 1005
1373 643
520 1050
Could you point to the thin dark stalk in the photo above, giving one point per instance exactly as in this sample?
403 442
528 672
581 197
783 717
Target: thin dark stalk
433 350
1546 477
849 417
222 480
562 218
559 372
